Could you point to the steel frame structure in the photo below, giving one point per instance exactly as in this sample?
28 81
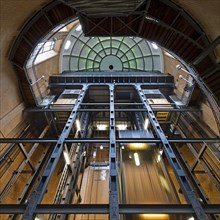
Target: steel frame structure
114 209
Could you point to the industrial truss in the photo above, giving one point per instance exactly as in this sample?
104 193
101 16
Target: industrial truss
114 208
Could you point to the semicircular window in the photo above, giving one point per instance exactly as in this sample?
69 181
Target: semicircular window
100 54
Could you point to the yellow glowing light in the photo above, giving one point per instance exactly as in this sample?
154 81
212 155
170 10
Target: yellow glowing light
137 146
136 159
155 216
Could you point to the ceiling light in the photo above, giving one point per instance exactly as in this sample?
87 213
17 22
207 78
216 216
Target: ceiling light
191 218
122 127
155 216
181 77
101 147
146 124
136 159
137 146
154 46
122 147
66 157
67 45
101 127
77 124
158 158
79 27
178 67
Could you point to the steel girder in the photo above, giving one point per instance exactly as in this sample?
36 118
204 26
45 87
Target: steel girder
104 209
103 140
58 149
116 110
113 176
179 173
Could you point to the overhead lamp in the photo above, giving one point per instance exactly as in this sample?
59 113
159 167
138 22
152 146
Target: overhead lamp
146 124
136 159
155 216
42 77
181 77
78 124
66 157
101 147
159 156
178 67
101 127
122 127
123 147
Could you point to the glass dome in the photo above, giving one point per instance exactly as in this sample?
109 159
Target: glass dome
102 54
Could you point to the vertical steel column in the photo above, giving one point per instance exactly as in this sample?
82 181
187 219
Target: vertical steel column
46 176
113 178
76 163
179 173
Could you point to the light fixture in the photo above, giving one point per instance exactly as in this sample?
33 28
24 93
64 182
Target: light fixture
146 124
101 127
154 46
181 77
178 67
77 124
42 77
79 27
155 216
136 159
66 157
101 147
94 154
67 45
122 127
137 146
191 218
123 147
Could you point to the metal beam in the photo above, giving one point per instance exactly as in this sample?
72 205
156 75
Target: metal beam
116 110
103 140
104 209
27 157
207 51
58 149
113 172
179 173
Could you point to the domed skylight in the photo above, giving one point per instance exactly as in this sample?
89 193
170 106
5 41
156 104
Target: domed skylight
80 53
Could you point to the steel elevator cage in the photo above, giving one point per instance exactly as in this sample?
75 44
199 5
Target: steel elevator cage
113 99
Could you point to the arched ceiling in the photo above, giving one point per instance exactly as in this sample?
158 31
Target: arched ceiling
97 54
160 21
